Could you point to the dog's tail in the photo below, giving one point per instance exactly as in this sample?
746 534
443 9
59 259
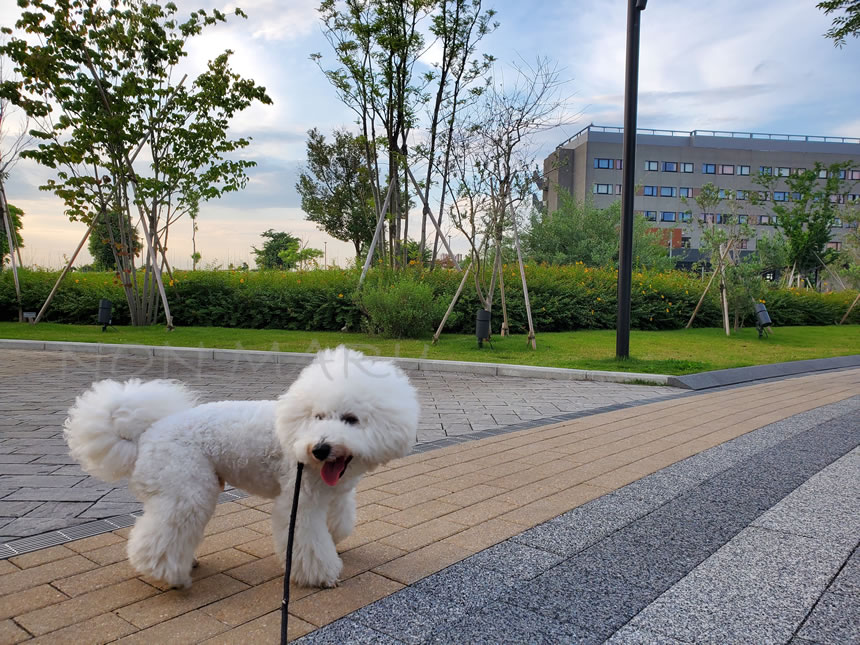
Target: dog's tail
106 421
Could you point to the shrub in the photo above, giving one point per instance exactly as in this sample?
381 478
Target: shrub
405 308
563 298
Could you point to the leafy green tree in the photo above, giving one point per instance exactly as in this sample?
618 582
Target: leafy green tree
276 243
336 190
844 24
299 256
807 220
104 244
16 215
581 232
100 82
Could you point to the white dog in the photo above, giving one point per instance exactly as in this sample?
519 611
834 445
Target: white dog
343 416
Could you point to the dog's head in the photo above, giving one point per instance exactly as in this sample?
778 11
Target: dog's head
347 413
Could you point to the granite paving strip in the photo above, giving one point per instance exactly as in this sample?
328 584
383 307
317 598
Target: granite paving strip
700 567
237 582
37 388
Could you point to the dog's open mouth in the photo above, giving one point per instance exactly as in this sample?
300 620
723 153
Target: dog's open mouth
333 470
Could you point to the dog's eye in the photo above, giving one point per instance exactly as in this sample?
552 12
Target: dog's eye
319 416
349 419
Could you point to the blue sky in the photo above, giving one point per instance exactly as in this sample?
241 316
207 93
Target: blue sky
731 65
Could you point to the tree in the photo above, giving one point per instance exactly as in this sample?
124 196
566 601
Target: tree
101 247
108 70
277 242
336 191
845 24
581 232
16 214
299 255
807 220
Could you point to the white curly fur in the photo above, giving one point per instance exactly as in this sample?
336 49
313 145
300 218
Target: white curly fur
174 452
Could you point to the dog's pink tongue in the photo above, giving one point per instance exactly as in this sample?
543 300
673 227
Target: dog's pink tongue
332 470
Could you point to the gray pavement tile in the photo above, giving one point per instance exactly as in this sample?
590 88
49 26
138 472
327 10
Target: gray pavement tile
848 580
515 560
830 516
39 481
27 526
102 509
345 631
17 509
578 529
500 623
632 636
395 617
461 586
58 510
834 621
598 604
756 589
76 494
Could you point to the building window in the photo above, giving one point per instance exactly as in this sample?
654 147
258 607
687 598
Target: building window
685 242
604 163
764 220
853 197
765 170
727 169
743 219
796 197
799 171
837 222
742 244
670 166
842 174
721 193
743 170
685 192
780 196
651 216
617 189
783 172
774 220
618 164
854 174
684 217
652 165
686 167
649 191
822 174
709 168
762 195
741 194
667 191
602 189
836 246
667 216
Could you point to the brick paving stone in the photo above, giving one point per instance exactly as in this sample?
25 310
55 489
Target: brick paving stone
34 454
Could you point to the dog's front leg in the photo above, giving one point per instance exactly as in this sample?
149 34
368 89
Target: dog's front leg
315 559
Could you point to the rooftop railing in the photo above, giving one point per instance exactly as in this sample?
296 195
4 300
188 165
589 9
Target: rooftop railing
714 133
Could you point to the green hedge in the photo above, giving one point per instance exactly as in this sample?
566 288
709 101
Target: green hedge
563 298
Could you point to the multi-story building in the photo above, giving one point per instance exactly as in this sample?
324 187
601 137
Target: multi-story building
672 166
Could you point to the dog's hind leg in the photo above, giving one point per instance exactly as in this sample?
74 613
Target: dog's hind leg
341 516
163 541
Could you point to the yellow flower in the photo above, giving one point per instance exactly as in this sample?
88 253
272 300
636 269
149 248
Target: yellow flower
662 297
241 279
599 298
76 281
592 312
667 310
340 295
171 283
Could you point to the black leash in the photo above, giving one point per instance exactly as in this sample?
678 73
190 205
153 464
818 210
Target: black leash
286 600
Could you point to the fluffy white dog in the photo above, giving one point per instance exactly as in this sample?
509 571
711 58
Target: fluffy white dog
343 416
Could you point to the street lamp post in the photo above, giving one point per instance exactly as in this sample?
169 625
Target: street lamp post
625 251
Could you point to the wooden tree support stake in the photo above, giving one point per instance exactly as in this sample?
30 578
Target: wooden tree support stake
11 238
453 302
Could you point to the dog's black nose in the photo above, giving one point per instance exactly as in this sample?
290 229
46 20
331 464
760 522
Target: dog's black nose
321 451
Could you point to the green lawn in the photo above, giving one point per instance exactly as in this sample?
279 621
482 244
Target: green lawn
656 352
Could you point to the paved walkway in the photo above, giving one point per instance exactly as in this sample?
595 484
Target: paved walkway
722 517
42 488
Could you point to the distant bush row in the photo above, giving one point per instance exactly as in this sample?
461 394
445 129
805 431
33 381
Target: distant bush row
411 303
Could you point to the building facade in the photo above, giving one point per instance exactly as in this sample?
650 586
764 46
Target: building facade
672 166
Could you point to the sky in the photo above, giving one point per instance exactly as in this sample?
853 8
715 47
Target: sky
759 66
